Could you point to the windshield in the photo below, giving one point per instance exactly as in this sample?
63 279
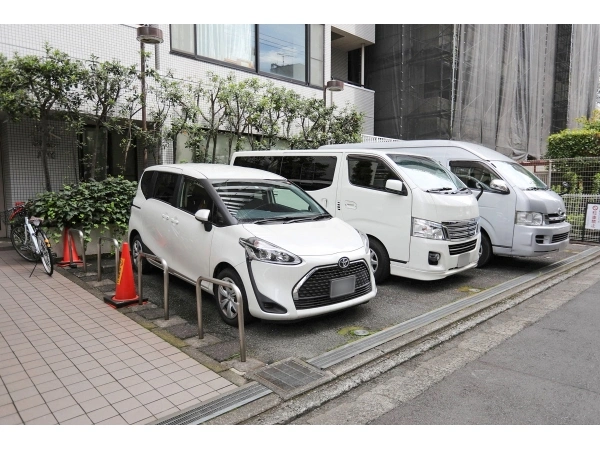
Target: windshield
518 176
263 201
427 174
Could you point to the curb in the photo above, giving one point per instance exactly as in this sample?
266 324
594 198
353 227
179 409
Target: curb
349 374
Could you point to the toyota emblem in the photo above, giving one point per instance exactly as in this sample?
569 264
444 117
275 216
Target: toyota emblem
343 262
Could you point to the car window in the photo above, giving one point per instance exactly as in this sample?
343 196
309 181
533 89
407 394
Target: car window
369 172
194 196
165 187
471 172
146 184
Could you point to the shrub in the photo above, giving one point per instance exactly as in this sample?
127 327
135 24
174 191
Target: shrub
88 206
574 143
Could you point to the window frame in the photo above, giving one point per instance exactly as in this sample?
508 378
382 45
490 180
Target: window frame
307 82
373 158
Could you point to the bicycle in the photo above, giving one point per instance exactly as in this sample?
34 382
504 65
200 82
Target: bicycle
28 239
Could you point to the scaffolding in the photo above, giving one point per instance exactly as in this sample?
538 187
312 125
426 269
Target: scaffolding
506 87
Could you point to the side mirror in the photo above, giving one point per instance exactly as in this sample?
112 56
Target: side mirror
395 186
499 185
202 215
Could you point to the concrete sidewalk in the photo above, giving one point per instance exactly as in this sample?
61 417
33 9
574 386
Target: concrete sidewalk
67 357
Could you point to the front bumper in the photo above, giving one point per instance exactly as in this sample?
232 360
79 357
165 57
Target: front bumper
453 259
531 240
270 287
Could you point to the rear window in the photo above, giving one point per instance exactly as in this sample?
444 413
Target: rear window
146 183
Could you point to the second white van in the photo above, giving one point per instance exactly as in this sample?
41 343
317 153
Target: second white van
520 215
421 220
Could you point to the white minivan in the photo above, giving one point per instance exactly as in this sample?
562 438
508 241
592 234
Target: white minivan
287 255
422 221
520 216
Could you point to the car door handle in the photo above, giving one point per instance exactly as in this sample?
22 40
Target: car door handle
174 220
350 205
166 217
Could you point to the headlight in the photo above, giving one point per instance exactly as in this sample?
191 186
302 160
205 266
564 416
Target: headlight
365 240
264 251
529 218
427 229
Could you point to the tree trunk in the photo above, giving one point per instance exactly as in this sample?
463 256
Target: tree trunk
44 151
94 152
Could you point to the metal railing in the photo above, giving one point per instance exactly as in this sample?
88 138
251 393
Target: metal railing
115 243
72 231
165 269
240 302
198 282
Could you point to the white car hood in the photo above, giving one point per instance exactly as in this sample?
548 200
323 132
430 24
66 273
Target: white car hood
321 237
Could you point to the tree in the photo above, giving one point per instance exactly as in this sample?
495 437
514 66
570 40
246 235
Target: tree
214 116
37 87
103 86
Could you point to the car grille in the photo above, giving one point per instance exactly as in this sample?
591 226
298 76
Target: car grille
459 230
556 218
314 291
465 247
560 237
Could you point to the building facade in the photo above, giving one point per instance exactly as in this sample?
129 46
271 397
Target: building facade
298 57
507 87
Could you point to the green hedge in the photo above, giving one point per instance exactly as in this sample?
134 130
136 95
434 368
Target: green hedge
573 143
88 206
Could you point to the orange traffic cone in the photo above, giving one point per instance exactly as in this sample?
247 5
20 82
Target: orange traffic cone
72 258
125 293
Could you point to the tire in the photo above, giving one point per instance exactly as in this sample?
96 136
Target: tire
46 255
138 245
17 238
485 251
380 261
226 301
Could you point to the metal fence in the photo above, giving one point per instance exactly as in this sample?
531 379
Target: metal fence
582 188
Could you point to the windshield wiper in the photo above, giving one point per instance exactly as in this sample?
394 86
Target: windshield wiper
317 217
271 219
532 188
439 189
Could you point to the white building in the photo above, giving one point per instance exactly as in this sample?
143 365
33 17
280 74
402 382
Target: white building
298 57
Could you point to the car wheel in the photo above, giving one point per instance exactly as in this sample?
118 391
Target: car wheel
380 261
227 301
485 251
137 246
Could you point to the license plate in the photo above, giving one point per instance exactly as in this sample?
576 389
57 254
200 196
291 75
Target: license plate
463 260
342 286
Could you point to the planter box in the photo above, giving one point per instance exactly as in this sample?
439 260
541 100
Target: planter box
92 247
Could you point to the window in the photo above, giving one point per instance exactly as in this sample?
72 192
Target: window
146 183
471 172
293 51
110 155
309 172
165 187
369 172
269 163
194 196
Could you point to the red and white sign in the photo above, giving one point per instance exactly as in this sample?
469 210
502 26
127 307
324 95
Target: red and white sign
592 218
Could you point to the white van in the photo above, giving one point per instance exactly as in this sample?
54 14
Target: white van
520 216
288 256
422 221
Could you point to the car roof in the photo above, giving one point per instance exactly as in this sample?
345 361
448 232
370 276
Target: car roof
219 171
476 149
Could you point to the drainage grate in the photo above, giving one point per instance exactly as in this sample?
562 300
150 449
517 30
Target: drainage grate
348 351
220 405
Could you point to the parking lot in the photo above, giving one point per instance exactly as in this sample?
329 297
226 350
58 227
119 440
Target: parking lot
397 300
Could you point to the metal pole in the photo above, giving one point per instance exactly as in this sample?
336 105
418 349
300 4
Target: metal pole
80 234
143 80
238 295
165 288
116 245
199 308
139 271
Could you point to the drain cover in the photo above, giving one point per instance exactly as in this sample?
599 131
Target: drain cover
360 332
289 377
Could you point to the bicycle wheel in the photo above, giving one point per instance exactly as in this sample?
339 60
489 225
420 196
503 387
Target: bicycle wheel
45 251
17 238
